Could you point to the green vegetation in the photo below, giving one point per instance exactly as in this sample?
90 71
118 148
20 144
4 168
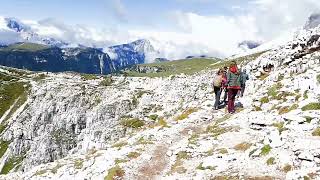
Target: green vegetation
153 117
193 139
6 77
216 130
311 106
132 123
264 76
305 94
182 155
25 47
9 93
222 151
284 95
107 81
318 78
133 155
287 168
286 109
55 169
270 161
163 122
87 77
188 66
144 141
119 161
273 91
280 126
200 167
120 144
223 119
316 132
243 146
39 77
41 172
78 164
308 119
186 114
178 165
264 100
3 147
265 150
257 108
115 173
280 77
11 163
210 152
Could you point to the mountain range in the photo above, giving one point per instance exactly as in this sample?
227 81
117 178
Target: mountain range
58 56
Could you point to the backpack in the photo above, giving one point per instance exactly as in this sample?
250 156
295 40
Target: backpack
217 81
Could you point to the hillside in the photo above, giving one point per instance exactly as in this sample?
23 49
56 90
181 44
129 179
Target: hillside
168 68
80 126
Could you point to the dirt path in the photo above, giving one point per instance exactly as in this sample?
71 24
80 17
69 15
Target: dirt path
160 161
156 165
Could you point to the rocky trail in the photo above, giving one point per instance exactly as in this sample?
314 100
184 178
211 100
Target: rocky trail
166 128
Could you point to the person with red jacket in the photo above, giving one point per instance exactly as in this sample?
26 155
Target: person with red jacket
234 81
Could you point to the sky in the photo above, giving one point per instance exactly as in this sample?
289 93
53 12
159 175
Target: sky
176 27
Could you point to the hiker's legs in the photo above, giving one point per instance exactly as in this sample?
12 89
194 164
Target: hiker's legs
230 102
217 92
232 93
225 95
243 88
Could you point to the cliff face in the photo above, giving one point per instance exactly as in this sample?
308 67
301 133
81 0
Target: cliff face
53 59
65 114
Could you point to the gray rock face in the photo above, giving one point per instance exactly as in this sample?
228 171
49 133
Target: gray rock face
313 21
60 118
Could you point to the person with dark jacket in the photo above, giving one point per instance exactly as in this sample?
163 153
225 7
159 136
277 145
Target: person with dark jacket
244 77
218 82
224 87
234 85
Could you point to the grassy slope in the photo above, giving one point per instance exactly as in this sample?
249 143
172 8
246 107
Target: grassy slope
189 66
25 47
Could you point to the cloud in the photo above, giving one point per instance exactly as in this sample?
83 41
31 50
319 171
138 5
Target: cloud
259 20
78 34
119 10
191 33
9 37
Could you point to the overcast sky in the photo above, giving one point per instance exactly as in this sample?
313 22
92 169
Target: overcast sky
200 26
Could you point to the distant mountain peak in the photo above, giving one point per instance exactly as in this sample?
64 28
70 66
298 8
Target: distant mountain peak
313 21
249 44
16 25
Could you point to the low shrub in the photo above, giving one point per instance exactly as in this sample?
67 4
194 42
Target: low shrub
311 106
270 161
265 150
115 173
132 123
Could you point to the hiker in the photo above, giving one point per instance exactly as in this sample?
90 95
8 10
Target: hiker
217 86
234 80
244 77
224 86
